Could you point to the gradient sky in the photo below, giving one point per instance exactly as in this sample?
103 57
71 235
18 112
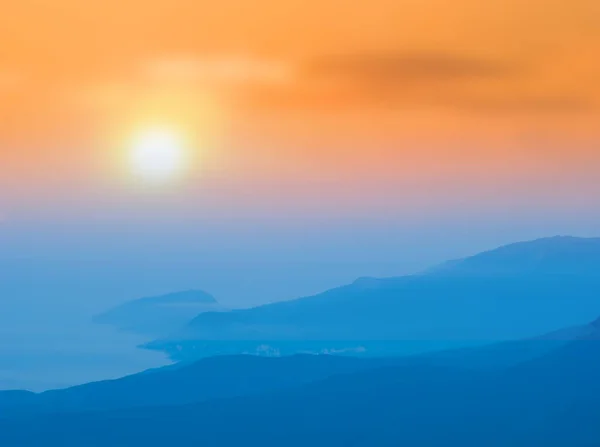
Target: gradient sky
356 131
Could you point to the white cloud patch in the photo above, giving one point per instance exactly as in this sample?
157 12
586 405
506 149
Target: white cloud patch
9 81
221 70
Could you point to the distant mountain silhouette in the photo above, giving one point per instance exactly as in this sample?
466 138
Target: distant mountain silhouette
513 292
159 315
536 391
560 255
553 400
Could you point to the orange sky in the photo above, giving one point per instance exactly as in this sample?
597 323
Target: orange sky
316 99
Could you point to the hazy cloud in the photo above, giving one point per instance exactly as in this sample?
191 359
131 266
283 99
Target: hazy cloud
407 67
426 80
528 104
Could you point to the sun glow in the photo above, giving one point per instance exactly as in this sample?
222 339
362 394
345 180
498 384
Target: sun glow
157 155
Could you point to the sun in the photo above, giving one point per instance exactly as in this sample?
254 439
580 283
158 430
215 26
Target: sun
157 155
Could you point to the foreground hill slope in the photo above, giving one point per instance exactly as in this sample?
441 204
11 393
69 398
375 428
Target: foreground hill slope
231 376
209 378
553 400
